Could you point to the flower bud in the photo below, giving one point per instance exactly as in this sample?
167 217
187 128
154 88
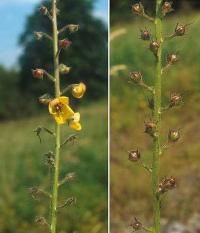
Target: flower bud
136 76
43 10
145 34
73 28
172 58
138 8
175 100
134 155
63 69
154 46
167 7
41 220
167 184
38 35
173 135
180 30
38 73
136 225
150 128
78 90
64 44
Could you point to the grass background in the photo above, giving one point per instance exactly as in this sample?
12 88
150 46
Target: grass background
23 166
130 184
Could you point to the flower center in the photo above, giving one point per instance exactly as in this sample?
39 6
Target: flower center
59 108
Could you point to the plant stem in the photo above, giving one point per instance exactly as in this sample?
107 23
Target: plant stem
54 204
157 120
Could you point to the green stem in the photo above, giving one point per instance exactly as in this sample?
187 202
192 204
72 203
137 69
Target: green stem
54 204
157 120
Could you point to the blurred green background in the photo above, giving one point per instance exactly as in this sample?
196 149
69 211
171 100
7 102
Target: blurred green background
131 184
22 156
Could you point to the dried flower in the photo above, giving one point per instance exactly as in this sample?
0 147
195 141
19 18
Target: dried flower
50 161
150 128
167 184
145 34
154 46
167 7
175 100
172 58
173 135
38 35
180 29
138 8
64 44
41 220
136 225
64 69
73 28
134 155
78 90
43 10
44 99
38 73
136 76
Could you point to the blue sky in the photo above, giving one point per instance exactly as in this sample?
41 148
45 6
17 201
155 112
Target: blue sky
13 17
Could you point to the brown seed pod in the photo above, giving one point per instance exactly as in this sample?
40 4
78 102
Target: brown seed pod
64 44
136 76
134 155
38 73
180 29
173 135
145 34
150 128
43 10
172 58
175 100
167 7
154 46
138 8
167 184
136 225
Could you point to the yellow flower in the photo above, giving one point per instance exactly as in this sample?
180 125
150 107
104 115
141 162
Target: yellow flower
60 109
74 122
78 90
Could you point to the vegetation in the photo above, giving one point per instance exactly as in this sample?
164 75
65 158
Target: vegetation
23 165
128 111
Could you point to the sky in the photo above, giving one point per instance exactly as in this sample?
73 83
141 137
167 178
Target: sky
13 17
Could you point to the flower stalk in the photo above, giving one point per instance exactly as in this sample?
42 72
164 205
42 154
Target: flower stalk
54 204
157 120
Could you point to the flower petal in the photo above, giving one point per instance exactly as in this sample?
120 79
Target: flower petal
75 125
64 100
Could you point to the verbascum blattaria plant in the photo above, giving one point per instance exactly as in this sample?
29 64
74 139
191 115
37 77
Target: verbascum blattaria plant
59 108
153 125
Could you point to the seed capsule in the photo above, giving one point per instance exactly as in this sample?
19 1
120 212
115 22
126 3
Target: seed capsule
134 155
63 69
154 46
173 135
175 100
138 8
38 73
167 184
150 128
167 7
64 44
172 58
145 34
180 30
43 10
136 76
136 225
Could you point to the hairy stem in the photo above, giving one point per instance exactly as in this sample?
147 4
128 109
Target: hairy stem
157 120
54 204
